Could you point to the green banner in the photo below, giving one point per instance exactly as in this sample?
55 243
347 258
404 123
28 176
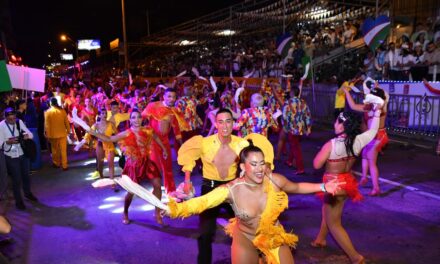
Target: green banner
5 81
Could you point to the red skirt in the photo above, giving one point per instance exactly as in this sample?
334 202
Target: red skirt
383 139
350 186
140 169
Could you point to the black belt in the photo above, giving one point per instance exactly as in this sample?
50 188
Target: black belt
213 183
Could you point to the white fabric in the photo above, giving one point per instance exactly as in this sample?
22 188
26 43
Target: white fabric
338 147
132 187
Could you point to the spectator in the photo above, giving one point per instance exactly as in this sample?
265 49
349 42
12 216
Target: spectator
432 59
419 70
17 163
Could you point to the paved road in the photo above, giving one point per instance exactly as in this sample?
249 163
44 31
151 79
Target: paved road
74 223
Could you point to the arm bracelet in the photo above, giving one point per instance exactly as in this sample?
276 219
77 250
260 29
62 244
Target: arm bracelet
323 187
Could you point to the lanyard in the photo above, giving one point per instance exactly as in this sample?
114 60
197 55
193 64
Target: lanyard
11 130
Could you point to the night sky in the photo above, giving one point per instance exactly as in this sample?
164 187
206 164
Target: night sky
35 23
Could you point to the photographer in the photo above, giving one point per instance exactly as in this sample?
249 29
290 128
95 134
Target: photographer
17 163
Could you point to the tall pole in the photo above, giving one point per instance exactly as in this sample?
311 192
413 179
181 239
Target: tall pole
148 23
5 50
124 32
377 8
284 16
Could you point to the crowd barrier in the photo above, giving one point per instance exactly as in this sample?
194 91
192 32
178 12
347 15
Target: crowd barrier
413 111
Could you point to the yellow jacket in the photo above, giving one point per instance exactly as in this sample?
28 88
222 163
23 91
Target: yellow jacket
206 148
117 118
56 124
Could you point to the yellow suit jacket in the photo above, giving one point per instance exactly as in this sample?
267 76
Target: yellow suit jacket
56 124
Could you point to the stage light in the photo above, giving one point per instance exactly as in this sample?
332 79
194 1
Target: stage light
226 32
106 206
118 210
113 199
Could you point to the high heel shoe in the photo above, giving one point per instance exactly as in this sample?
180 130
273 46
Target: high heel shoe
375 193
361 260
159 219
125 220
316 244
363 181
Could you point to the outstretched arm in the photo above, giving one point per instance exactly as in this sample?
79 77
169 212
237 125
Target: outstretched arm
305 187
198 205
114 138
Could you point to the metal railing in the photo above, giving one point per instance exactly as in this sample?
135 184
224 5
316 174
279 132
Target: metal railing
414 117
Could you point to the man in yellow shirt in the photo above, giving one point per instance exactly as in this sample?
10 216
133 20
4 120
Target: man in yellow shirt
340 96
218 154
56 129
115 116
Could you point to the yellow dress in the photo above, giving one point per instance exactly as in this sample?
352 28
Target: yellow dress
108 147
270 234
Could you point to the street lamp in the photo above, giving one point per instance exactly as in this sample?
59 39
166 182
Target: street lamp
64 37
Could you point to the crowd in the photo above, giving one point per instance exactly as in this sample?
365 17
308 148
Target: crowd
100 109
138 119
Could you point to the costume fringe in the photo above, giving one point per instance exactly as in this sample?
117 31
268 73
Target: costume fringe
269 235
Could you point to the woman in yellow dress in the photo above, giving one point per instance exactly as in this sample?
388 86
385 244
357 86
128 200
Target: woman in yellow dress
257 197
104 149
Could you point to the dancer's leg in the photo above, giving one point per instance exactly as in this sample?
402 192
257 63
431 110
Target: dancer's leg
374 171
333 214
285 255
281 144
111 163
156 182
320 240
127 202
242 250
100 160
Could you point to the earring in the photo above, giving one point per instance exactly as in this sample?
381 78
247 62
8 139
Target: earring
242 174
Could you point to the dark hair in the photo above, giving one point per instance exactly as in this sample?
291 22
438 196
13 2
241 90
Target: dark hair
378 92
102 110
135 110
19 102
244 153
114 103
222 111
170 90
352 127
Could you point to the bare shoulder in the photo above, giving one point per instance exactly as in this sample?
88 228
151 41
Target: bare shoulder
278 178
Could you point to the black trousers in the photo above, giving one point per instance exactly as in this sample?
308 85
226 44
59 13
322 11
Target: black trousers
208 223
18 169
3 176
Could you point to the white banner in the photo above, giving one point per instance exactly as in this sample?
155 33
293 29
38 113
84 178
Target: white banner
25 78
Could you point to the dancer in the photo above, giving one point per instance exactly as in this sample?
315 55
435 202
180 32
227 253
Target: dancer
163 117
371 151
136 145
257 197
104 149
297 121
218 153
256 119
339 155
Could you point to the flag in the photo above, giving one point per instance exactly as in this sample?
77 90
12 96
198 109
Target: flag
283 44
5 81
375 31
304 61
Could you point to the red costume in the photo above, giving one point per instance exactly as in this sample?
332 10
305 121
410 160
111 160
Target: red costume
158 115
138 165
350 186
